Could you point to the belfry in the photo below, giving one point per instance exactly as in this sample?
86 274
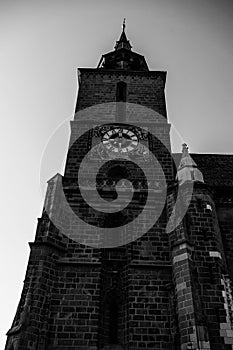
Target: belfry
134 247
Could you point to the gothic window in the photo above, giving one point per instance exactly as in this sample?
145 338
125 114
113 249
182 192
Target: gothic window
113 322
109 326
121 92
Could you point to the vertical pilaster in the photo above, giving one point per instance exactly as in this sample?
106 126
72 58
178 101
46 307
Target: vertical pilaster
193 333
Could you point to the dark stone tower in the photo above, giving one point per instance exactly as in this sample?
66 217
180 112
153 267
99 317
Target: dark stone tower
128 252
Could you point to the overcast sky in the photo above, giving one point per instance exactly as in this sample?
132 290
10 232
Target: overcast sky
43 43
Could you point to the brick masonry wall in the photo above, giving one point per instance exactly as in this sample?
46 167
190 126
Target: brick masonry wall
74 310
143 88
149 308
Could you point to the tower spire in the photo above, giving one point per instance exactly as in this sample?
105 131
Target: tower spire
123 57
123 42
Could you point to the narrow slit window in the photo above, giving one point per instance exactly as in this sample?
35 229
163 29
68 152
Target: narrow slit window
121 92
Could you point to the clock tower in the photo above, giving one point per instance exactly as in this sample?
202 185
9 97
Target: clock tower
112 266
91 283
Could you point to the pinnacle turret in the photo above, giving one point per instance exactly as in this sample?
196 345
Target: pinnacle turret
188 170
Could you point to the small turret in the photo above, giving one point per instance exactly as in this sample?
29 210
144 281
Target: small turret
188 170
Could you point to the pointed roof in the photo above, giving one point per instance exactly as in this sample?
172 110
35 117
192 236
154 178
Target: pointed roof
123 42
188 170
186 159
217 169
123 58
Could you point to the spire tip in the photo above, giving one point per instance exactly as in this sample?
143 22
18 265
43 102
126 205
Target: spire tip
123 26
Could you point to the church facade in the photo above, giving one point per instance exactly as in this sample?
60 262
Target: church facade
134 247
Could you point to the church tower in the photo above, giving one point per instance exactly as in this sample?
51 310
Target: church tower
115 265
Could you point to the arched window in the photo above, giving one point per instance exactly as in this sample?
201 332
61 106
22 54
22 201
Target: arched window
121 91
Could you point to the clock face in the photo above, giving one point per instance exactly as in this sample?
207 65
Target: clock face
120 140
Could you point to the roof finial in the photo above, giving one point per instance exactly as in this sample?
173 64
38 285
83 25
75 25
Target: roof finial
123 42
123 25
185 149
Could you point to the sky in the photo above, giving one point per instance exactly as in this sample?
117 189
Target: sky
42 45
